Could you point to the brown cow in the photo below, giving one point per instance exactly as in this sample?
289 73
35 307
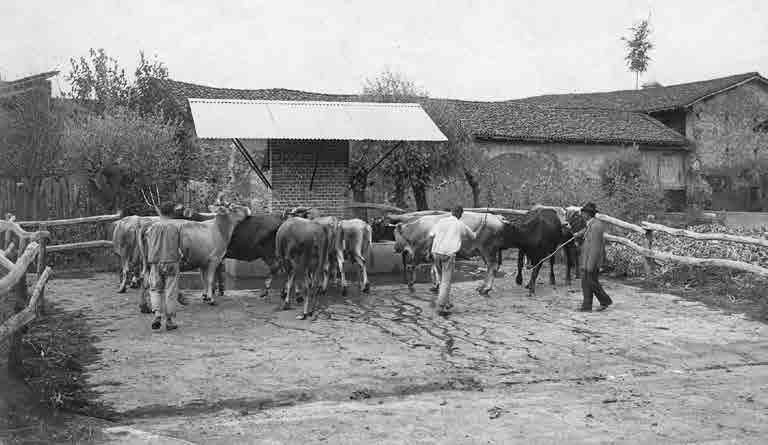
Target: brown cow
302 246
412 239
204 243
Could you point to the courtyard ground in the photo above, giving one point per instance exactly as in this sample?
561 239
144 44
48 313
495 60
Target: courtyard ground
382 368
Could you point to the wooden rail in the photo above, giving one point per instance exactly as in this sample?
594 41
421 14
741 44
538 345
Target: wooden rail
80 245
19 268
373 205
711 236
23 318
72 221
648 229
664 256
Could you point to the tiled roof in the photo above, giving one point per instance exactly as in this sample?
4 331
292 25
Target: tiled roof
647 99
24 84
179 92
615 117
532 123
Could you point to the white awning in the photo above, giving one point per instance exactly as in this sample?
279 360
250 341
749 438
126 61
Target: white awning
270 119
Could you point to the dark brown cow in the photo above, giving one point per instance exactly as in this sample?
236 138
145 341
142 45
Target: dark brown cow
253 239
536 236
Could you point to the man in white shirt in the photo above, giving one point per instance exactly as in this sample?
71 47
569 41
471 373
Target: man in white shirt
447 236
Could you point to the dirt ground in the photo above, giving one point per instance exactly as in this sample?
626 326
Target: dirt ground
382 368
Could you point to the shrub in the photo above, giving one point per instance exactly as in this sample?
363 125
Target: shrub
144 151
627 191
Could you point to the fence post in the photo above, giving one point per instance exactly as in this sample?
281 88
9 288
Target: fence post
41 263
649 265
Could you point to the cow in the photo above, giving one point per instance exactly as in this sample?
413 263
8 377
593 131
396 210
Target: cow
576 222
125 244
413 241
348 239
536 236
253 239
302 246
382 230
356 243
204 243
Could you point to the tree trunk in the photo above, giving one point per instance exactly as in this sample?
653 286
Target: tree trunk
358 195
399 198
474 184
420 195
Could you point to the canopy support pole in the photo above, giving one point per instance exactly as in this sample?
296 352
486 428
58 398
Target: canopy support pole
252 162
314 171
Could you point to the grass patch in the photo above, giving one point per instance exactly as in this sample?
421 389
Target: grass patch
55 351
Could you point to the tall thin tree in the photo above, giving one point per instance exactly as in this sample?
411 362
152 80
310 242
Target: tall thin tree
638 46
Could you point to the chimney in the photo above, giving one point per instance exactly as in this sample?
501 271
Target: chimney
652 84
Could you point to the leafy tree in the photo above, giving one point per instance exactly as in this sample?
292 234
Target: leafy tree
124 152
102 83
414 164
638 46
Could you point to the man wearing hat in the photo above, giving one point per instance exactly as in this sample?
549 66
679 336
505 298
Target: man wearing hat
592 255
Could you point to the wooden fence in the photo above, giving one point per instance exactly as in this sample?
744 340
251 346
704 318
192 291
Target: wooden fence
33 247
45 197
647 229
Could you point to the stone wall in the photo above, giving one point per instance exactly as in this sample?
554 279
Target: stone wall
292 165
722 126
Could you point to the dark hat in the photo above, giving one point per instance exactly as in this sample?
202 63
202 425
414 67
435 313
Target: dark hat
589 208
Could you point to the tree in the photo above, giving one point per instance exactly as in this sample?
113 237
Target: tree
124 152
101 82
414 164
638 46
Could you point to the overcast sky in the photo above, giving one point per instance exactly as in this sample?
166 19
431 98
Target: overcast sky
467 49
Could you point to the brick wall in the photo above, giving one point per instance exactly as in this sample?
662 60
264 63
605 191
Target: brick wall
292 165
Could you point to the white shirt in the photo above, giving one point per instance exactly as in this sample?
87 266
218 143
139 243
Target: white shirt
448 234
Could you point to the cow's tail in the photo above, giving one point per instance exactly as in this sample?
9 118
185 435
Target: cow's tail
143 250
365 244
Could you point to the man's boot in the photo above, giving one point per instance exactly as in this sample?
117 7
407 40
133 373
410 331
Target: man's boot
170 325
157 322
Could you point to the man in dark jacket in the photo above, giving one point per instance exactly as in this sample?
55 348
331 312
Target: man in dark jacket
592 255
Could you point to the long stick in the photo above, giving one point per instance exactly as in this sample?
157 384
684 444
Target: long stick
551 254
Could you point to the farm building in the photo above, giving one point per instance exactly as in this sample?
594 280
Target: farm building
308 142
692 129
717 117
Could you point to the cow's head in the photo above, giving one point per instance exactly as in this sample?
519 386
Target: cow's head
511 234
234 213
401 243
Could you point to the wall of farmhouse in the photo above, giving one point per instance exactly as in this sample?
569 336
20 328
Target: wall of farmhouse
726 146
513 167
295 163
583 158
722 126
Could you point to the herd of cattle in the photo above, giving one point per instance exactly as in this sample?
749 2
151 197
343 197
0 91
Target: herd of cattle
304 243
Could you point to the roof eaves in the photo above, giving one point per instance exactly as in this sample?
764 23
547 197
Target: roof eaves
755 76
586 141
35 77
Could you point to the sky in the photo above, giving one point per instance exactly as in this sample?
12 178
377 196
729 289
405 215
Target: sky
463 49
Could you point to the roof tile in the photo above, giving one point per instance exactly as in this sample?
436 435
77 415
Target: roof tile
647 99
